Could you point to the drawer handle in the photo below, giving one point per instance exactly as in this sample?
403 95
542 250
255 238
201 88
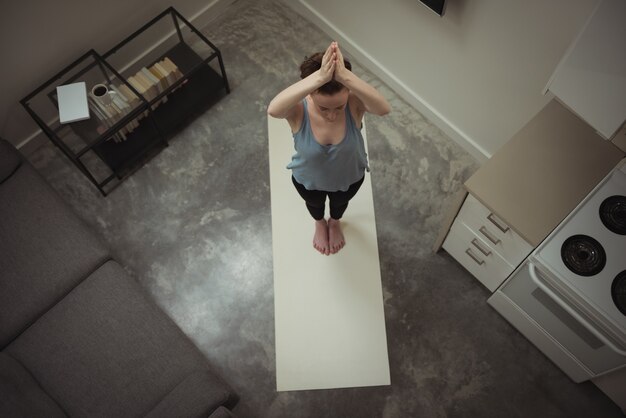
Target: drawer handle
490 237
480 248
473 257
493 220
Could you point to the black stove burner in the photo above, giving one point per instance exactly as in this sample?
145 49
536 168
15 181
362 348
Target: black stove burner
618 291
613 214
583 255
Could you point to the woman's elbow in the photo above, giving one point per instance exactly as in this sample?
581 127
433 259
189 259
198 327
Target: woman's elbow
384 110
273 112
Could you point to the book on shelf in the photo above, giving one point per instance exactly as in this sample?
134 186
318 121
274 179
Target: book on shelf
123 107
159 76
113 106
119 100
172 67
131 98
107 115
140 89
149 91
173 70
154 82
170 77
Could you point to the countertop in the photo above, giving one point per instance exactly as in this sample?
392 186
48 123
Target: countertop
543 172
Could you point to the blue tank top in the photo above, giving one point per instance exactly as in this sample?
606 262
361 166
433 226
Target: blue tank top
329 168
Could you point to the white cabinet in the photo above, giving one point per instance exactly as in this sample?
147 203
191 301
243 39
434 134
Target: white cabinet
483 244
591 78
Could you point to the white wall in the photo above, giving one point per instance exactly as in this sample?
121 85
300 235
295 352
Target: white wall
38 38
478 72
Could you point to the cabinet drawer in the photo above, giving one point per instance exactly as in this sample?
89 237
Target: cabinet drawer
497 234
473 253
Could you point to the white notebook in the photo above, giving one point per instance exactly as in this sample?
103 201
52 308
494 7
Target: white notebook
72 102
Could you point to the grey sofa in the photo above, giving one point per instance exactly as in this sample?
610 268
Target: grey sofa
78 336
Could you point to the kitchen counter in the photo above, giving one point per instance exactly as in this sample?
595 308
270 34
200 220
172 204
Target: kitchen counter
543 172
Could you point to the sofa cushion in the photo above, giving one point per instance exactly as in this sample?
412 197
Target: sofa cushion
187 399
20 394
107 350
45 250
10 159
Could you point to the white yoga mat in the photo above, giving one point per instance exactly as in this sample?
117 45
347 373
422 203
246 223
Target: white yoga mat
329 316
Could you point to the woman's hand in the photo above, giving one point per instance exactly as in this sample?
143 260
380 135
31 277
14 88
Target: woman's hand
370 100
341 72
327 70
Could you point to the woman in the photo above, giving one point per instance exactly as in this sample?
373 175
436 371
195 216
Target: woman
325 112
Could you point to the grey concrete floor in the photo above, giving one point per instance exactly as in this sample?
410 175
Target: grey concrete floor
194 227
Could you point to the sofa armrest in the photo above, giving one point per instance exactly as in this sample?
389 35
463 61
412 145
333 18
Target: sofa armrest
196 396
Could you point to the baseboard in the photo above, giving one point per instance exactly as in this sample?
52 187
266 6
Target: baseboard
209 12
29 144
199 19
412 97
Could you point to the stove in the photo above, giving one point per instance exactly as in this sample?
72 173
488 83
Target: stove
618 291
613 214
585 256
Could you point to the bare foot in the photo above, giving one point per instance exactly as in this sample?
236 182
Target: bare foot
320 239
335 236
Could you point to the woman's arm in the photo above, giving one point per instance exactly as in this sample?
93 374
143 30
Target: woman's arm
372 101
283 106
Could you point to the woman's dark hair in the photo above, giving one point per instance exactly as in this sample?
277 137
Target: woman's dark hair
312 64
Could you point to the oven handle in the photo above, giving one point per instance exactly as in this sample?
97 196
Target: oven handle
572 312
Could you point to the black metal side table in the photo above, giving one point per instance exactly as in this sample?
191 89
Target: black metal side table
107 153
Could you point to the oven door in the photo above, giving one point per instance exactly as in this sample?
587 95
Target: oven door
558 329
